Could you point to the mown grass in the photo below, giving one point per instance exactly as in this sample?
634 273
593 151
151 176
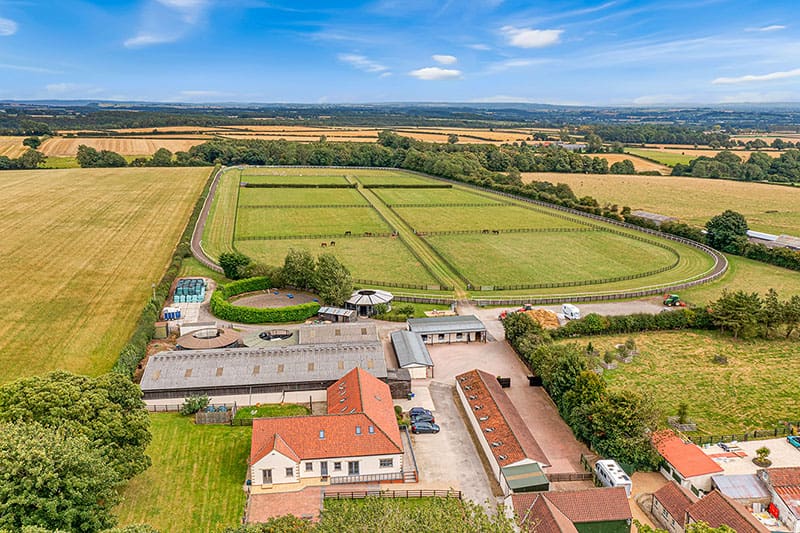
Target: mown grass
250 177
527 258
219 228
480 218
771 208
271 410
749 276
667 158
433 196
79 251
757 389
196 480
371 258
251 196
301 221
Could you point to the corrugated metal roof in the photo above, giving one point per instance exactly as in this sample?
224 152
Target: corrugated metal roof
177 370
336 311
410 349
446 324
337 333
741 487
370 297
525 478
761 235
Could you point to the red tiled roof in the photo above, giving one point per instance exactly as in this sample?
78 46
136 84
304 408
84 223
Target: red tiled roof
366 426
487 399
578 506
687 458
675 499
544 517
361 392
716 510
784 477
791 497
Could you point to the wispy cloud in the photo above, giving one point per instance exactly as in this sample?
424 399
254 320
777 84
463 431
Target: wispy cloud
7 27
362 63
79 90
772 27
435 73
26 68
508 64
444 59
531 38
167 21
201 93
748 78
479 46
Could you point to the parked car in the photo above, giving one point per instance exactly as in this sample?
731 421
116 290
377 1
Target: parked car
794 440
419 411
422 417
424 427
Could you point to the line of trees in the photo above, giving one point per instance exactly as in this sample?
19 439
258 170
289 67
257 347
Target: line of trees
758 167
614 424
29 160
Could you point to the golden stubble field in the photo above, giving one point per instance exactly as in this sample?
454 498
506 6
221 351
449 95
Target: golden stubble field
80 249
12 146
770 208
68 146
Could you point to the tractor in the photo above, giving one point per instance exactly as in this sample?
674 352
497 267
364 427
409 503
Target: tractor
673 300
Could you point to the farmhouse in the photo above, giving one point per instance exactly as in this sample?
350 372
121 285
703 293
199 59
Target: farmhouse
716 509
685 462
358 440
447 329
669 506
243 371
412 354
513 453
784 488
584 511
364 301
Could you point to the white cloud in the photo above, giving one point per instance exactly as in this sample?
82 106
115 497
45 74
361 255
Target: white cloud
530 38
385 75
200 93
772 27
508 64
444 59
479 46
26 68
435 73
147 39
73 90
191 10
7 27
781 75
362 63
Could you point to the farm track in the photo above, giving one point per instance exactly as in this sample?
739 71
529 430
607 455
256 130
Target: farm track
199 227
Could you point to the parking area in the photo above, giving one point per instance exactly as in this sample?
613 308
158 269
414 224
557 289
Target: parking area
449 458
782 454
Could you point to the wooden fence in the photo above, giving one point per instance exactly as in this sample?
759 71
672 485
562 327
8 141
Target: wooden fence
361 494
789 429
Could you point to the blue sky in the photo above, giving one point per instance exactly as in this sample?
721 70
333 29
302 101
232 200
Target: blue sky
562 52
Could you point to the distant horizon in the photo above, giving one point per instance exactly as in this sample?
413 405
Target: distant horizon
584 53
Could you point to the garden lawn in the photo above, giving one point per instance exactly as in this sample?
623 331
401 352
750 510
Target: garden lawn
297 222
272 410
369 258
79 251
528 258
196 480
498 217
308 197
433 196
757 389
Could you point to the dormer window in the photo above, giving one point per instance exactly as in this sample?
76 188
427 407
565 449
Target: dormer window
321 434
358 430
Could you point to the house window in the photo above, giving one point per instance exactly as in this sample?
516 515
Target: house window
371 429
387 463
309 467
441 336
266 475
664 513
337 466
358 430
459 336
353 468
310 367
289 471
321 433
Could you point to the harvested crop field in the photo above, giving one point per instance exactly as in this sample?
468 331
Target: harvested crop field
68 146
770 208
12 146
79 252
671 155
639 164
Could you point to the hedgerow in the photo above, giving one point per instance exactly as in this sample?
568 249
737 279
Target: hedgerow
225 310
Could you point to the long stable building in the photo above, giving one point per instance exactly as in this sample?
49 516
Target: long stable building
238 371
448 329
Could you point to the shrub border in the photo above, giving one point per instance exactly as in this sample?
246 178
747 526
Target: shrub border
225 310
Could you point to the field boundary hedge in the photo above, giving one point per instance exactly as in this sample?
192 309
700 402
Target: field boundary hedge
136 348
501 231
225 310
405 186
326 236
296 185
495 204
304 206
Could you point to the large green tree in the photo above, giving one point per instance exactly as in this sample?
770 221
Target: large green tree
54 478
727 232
738 312
332 281
298 269
107 410
234 264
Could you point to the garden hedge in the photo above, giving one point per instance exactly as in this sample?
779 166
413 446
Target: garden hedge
225 310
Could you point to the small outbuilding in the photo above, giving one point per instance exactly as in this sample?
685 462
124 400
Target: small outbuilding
363 301
412 354
448 329
209 339
337 314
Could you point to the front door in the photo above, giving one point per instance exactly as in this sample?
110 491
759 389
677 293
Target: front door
323 468
267 476
352 468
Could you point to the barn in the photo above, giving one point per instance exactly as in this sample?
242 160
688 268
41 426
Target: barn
412 354
447 329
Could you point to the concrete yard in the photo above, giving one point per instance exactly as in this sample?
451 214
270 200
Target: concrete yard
782 454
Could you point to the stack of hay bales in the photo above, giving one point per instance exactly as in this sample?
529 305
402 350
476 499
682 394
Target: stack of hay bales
546 319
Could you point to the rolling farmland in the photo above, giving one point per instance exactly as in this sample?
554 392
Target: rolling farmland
79 252
68 146
453 236
770 208
12 147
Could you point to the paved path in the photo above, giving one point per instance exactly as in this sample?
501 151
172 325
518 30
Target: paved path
199 227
